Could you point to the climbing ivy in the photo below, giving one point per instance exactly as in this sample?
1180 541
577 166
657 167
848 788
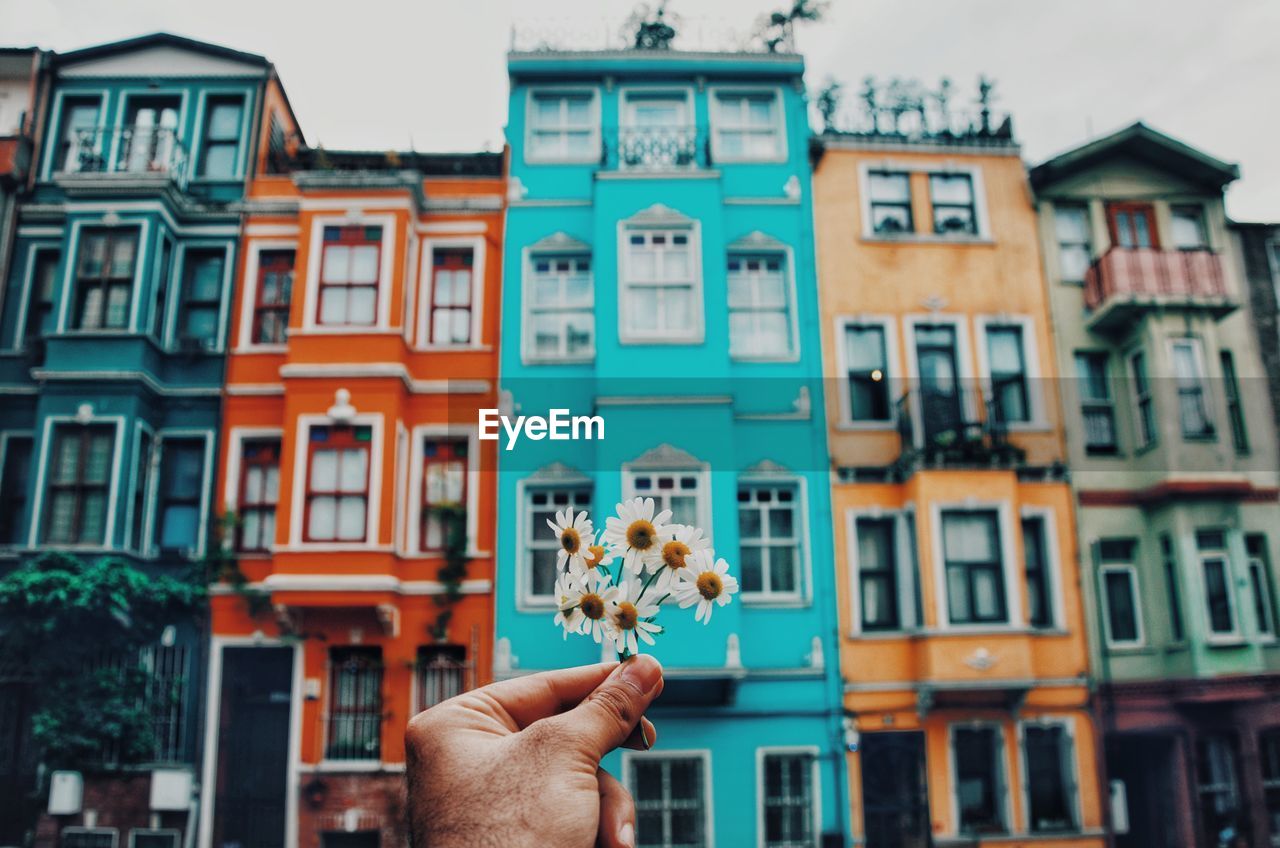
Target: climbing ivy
453 517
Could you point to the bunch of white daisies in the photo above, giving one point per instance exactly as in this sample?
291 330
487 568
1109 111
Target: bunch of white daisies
658 561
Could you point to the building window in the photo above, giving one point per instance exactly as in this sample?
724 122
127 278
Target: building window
867 372
1143 402
444 490
1215 565
1075 248
1035 550
1049 780
1096 406
978 753
561 307
349 271
201 303
1269 761
670 799
161 288
88 837
158 838
79 136
220 148
1235 410
660 287
272 296
180 493
759 306
1120 591
878 595
104 279
1007 362
355 704
1188 372
1217 787
563 127
338 484
788 800
1261 582
15 476
442 671
166 700
890 194
1169 562
540 506
79 478
450 318
679 490
974 572
141 485
769 540
953 204
1189 231
150 143
748 126
259 494
44 277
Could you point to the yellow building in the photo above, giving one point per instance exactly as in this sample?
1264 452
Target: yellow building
963 643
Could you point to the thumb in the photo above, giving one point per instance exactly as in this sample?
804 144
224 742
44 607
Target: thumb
607 716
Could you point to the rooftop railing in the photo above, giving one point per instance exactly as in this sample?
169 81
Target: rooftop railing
692 35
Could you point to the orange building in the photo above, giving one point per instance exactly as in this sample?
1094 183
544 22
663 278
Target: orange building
358 504
964 652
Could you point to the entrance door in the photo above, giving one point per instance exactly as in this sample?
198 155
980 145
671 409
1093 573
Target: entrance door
17 764
936 362
253 748
1145 764
1133 225
895 795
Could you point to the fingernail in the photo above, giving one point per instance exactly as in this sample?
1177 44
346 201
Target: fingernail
643 672
627 835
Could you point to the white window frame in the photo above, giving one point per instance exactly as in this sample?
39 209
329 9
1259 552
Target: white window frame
301 468
196 153
896 379
708 799
68 294
696 334
1037 419
703 494
6 436
1203 555
525 599
1055 581
964 365
1071 769
815 783
906 573
787 256
530 157
1207 399
1259 564
20 340
718 121
253 257
531 255
235 457
1003 772
174 833
54 131
114 831
179 136
430 244
1140 442
139 545
315 264
1015 617
113 489
419 435
177 290
1130 570
153 486
803 563
1082 206
1206 242
909 167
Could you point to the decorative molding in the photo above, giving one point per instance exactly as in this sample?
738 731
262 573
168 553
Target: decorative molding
766 468
757 240
659 215
665 455
558 473
560 242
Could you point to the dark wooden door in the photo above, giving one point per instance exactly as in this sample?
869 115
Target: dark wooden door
895 793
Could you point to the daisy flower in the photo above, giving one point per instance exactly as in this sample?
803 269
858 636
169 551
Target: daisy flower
704 583
575 535
627 616
563 586
590 574
637 533
584 610
678 544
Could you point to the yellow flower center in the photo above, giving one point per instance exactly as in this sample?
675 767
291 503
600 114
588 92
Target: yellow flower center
570 540
594 555
626 616
592 606
640 535
673 554
709 585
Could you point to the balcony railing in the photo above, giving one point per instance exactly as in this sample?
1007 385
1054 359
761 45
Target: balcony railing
674 148
134 151
1125 280
941 429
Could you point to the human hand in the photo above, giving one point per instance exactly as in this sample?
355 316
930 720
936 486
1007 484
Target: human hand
517 763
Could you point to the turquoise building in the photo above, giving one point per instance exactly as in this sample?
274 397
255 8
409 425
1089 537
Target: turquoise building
659 274
112 343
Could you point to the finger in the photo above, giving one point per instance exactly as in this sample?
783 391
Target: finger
617 814
642 737
606 718
536 696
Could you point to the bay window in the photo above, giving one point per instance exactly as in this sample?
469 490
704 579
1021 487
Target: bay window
1219 597
974 567
349 272
259 494
337 496
449 321
40 294
444 487
104 279
180 490
1188 372
220 147
201 303
78 480
1235 406
1119 575
1097 408
1143 401
272 295
15 475
1262 582
878 592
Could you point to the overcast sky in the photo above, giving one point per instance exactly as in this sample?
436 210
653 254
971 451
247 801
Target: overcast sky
385 74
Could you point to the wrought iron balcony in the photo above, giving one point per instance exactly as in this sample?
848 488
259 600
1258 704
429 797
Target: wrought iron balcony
134 152
942 429
674 148
1125 282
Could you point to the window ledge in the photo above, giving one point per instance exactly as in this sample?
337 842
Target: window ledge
550 360
1136 649
1226 642
928 238
467 348
787 358
663 341
355 766
766 602
864 426
277 349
